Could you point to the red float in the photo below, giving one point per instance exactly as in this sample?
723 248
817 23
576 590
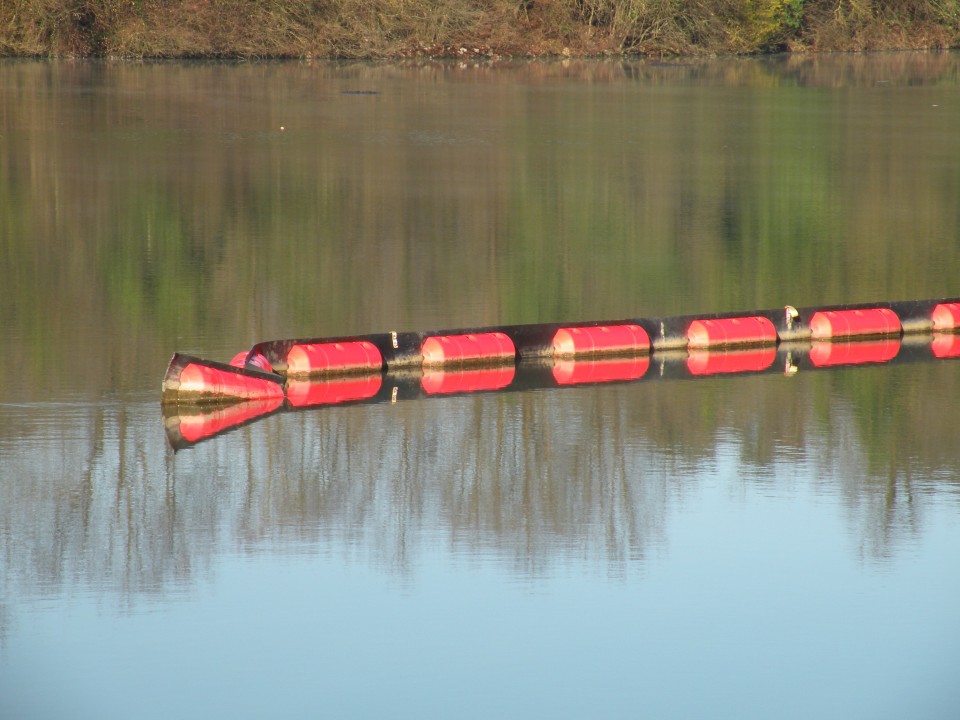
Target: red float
601 340
706 362
195 427
829 354
333 358
438 382
204 383
492 347
945 345
946 316
731 331
827 324
302 393
575 372
258 361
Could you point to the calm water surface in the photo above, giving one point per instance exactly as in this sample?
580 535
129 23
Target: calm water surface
747 547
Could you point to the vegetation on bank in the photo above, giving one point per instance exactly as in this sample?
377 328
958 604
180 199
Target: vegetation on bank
457 28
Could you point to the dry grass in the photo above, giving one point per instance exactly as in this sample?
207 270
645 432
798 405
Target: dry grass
403 28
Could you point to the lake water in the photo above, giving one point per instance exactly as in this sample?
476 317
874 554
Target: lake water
761 546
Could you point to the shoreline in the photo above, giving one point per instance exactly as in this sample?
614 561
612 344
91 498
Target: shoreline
467 29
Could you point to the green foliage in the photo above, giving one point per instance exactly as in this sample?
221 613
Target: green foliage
775 21
403 28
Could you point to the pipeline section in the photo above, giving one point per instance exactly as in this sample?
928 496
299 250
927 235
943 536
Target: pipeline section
202 398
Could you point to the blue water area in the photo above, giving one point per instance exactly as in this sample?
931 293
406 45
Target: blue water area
746 545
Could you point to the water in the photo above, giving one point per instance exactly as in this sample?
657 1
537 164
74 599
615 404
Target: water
758 546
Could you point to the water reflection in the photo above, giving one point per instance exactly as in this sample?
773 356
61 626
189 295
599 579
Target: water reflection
153 208
535 479
165 211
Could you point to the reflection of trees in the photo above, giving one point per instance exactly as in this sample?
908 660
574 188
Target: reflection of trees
148 208
86 499
476 470
161 204
536 480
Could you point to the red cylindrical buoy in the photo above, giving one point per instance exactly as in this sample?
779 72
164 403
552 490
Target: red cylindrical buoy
854 353
601 340
945 345
474 348
197 426
257 361
828 324
575 372
202 383
707 362
755 330
333 358
437 381
946 316
303 393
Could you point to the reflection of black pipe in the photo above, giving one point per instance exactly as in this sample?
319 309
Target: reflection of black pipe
789 358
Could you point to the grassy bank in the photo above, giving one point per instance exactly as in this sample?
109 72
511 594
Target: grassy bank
450 28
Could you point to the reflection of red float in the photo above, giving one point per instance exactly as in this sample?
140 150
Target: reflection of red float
302 393
574 372
731 331
601 340
492 347
706 362
438 382
194 427
333 358
202 382
828 354
946 316
945 345
846 323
